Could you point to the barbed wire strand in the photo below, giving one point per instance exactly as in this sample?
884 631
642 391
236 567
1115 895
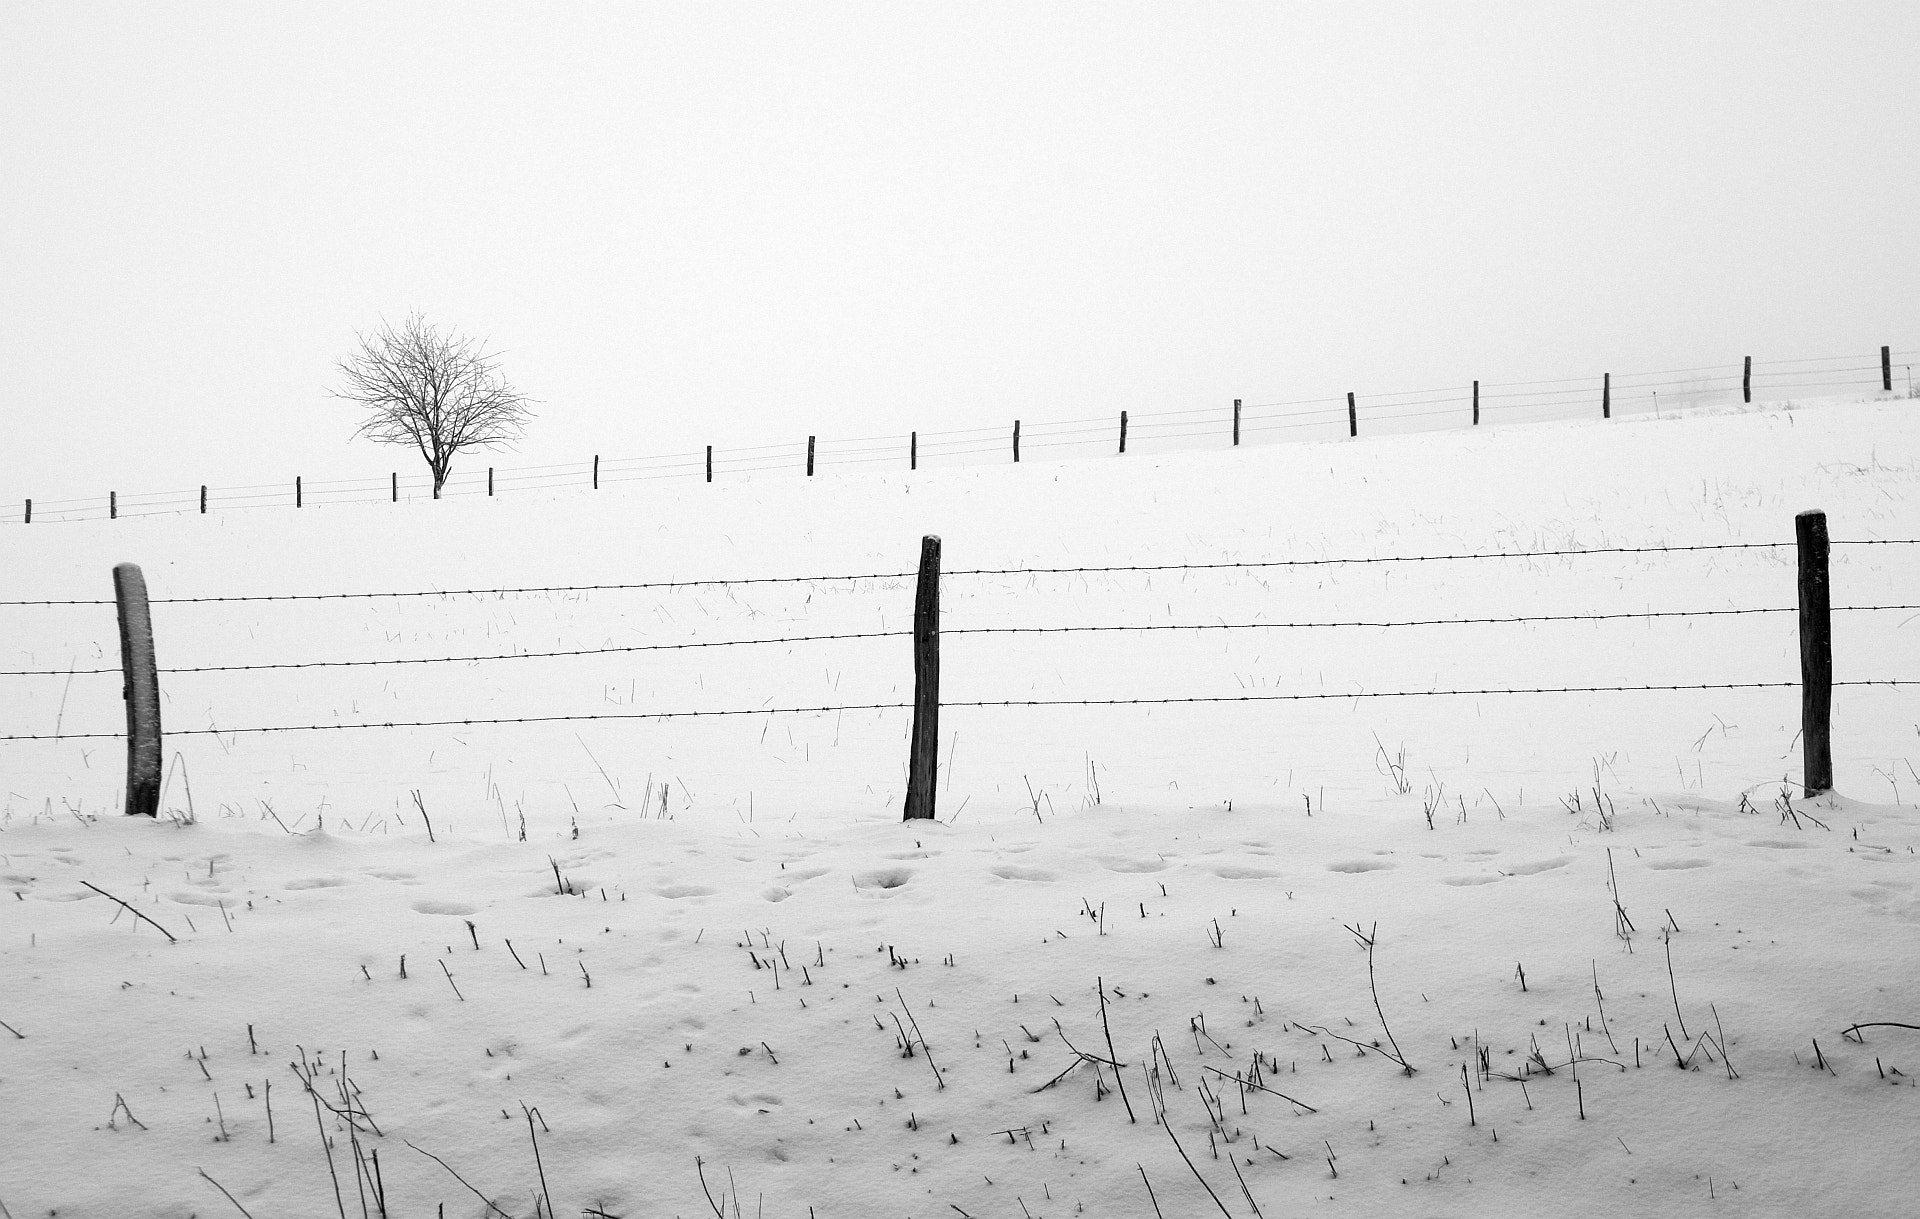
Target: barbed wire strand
993 571
1017 702
971 630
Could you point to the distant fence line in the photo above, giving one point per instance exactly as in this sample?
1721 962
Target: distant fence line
1158 431
141 685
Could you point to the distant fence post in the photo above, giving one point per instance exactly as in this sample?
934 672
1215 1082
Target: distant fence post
1123 431
203 499
913 450
1353 417
113 505
1816 654
809 457
924 751
596 471
1236 423
1746 381
396 486
1016 440
489 480
141 691
29 519
1476 404
1606 395
709 463
297 496
1886 369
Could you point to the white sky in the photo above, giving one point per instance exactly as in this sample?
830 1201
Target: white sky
740 224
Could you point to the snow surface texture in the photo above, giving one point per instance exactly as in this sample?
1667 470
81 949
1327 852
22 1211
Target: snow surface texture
729 990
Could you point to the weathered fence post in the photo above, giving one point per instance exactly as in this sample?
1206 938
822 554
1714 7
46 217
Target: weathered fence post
913 450
1746 381
113 505
489 480
1016 440
923 755
141 691
1816 654
809 457
1236 423
1353 417
296 492
29 519
596 471
396 486
1476 404
709 463
1886 369
203 499
1123 431
1606 395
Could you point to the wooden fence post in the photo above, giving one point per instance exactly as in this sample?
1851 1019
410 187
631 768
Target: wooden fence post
113 505
1746 381
1886 369
1606 395
1353 418
1016 440
709 463
29 519
1236 423
596 471
141 691
809 457
203 499
489 480
1476 404
1123 431
1816 654
924 751
396 486
297 497
913 450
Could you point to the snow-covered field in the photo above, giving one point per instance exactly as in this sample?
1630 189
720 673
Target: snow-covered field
751 939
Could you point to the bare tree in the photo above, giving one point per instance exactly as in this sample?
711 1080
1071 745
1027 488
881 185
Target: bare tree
437 392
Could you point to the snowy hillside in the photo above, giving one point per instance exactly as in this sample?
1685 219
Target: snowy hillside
639 955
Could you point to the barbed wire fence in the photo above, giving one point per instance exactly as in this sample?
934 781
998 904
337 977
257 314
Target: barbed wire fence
1814 609
1659 393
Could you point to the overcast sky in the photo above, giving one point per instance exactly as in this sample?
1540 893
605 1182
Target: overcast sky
739 224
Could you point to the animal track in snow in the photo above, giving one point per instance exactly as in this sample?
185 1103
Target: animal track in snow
1114 863
318 882
189 898
1009 872
676 891
1360 865
1672 865
435 906
1241 872
883 878
1539 865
